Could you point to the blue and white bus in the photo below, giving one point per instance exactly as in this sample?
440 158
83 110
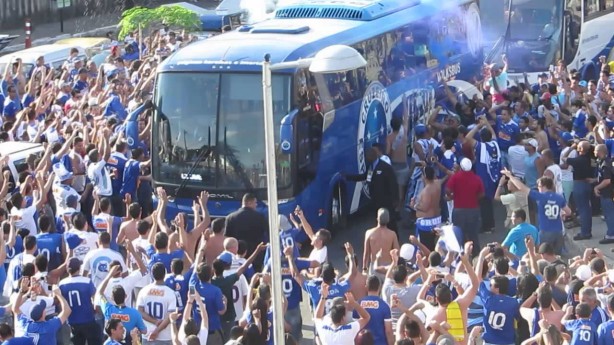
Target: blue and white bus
208 127
536 34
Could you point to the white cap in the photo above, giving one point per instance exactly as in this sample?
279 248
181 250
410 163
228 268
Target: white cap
408 252
466 164
531 142
92 101
583 272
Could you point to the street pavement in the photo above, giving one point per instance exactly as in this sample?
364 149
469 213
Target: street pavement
89 25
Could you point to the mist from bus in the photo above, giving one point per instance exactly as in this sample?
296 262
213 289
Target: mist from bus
260 10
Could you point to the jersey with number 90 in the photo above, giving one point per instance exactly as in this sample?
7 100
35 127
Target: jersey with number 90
157 301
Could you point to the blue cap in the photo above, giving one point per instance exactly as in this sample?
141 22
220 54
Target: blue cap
420 129
73 240
225 257
535 88
583 83
38 311
566 136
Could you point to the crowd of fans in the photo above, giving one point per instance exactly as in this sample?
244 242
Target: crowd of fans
87 258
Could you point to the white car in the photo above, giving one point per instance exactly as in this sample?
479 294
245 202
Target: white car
18 153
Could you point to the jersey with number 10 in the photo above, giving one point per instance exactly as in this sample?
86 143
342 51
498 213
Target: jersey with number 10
157 301
584 332
288 285
549 207
500 312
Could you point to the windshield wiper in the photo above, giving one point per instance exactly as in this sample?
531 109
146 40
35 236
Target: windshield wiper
202 155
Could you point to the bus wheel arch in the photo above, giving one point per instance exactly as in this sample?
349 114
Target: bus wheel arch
337 216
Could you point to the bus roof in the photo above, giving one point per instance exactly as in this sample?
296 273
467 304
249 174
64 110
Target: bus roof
300 33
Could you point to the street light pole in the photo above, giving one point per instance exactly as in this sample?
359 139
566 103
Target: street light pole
271 172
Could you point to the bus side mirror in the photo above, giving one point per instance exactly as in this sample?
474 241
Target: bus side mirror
286 132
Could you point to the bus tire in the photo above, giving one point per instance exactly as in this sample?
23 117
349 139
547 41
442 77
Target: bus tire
337 219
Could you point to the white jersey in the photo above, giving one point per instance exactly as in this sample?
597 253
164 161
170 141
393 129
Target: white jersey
239 291
342 335
157 301
567 174
558 177
14 272
26 308
97 262
128 283
88 244
60 193
100 177
143 244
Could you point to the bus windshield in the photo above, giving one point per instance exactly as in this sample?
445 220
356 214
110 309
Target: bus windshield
534 34
217 119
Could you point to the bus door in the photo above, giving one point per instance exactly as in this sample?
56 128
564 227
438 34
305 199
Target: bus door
572 22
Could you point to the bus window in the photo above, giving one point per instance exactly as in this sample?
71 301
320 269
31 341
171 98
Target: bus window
591 7
573 23
609 4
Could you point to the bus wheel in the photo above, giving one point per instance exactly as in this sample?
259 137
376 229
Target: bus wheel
337 220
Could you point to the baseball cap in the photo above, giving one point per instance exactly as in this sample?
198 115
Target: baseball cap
466 164
225 257
583 272
92 102
546 96
420 129
531 142
583 83
73 240
445 339
38 311
408 252
566 136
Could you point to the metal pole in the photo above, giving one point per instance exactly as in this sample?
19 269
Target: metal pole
28 43
269 135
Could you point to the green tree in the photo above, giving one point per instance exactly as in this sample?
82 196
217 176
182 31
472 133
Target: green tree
173 16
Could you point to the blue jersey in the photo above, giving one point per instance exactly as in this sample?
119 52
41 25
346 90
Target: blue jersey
506 133
549 207
336 289
269 317
19 341
599 316
488 165
131 318
448 160
514 240
179 284
380 312
12 252
78 292
584 332
290 287
164 258
605 333
579 124
132 171
212 297
117 163
51 246
111 342
100 222
500 313
287 238
42 332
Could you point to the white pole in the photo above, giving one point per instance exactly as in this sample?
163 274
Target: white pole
269 136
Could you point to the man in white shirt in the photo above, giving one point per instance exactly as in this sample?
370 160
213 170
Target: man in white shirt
515 157
338 331
98 174
155 302
240 287
14 272
89 239
127 281
97 261
62 187
25 215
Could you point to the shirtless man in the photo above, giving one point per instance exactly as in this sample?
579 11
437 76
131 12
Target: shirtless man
428 212
127 230
379 239
215 237
357 280
396 149
454 312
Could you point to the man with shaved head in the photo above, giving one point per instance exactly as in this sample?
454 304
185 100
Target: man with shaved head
583 176
604 190
240 288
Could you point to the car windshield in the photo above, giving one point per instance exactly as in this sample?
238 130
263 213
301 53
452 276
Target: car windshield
218 119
